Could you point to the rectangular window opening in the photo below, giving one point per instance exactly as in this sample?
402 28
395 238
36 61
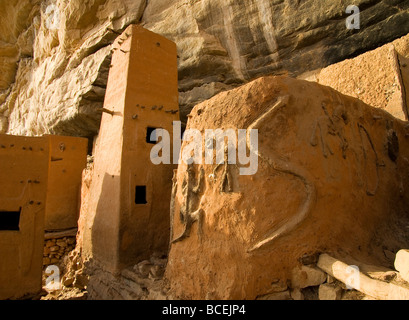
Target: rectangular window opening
151 135
10 220
140 195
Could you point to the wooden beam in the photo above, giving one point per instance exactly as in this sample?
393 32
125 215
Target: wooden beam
377 289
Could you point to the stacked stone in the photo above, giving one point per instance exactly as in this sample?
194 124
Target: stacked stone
143 281
75 276
315 279
56 249
308 282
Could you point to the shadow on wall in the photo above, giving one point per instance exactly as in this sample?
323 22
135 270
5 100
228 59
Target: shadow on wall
131 225
105 227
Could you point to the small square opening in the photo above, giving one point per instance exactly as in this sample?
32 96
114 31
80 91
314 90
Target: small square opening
10 220
140 195
151 136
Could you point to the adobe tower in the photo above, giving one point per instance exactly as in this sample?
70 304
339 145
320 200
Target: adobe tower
128 211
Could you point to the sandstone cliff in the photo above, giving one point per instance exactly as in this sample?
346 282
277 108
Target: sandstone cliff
55 55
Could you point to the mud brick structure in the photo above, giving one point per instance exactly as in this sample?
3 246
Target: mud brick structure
23 189
68 158
128 206
379 78
331 179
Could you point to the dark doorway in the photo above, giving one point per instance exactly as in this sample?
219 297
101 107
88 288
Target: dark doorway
10 220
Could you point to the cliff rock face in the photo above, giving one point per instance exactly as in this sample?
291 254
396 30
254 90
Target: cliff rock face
55 55
331 178
56 71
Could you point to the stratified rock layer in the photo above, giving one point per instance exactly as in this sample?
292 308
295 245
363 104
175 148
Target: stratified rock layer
55 55
332 178
57 63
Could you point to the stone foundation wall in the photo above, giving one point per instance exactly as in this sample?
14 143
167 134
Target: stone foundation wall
56 249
